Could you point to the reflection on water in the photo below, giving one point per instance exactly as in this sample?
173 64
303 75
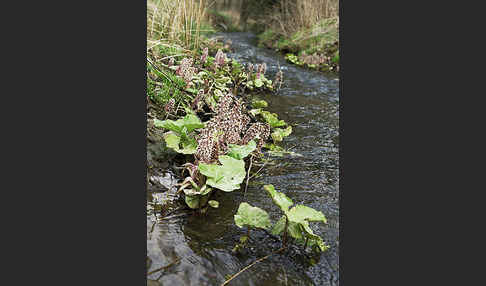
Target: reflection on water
309 102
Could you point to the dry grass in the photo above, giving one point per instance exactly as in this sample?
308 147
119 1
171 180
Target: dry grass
292 16
172 22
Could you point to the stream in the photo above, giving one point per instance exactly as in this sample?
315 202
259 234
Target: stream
201 245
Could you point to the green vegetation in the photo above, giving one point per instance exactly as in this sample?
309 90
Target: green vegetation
316 47
252 217
181 139
205 107
206 121
227 177
306 29
294 221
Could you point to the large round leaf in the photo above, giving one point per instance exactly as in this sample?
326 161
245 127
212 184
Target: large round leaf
241 151
252 217
228 176
278 198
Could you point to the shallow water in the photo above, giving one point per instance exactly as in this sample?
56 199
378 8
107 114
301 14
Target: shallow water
309 101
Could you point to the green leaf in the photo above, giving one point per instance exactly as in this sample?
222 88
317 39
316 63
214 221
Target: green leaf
259 103
272 119
317 241
278 134
273 147
301 214
241 151
189 144
226 177
172 140
191 90
252 216
167 124
256 111
313 239
291 57
258 82
192 201
295 230
193 192
279 227
196 199
214 204
278 198
335 59
190 122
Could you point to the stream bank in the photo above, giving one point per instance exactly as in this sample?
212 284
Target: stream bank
309 101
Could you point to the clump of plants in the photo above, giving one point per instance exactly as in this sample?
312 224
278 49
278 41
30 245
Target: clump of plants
211 125
315 46
316 61
293 223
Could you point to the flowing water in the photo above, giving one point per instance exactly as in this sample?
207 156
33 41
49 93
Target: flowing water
202 245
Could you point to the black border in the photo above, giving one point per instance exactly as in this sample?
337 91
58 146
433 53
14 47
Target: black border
77 82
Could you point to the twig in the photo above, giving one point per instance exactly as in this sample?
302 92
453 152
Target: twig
258 170
248 175
164 267
247 267
285 233
173 216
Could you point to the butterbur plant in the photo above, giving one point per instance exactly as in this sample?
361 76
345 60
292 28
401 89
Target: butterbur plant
258 79
204 56
294 221
220 58
186 71
316 61
229 133
180 137
169 107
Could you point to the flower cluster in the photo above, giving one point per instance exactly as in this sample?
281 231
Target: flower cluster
226 128
197 100
220 58
260 69
185 70
204 56
250 68
260 130
169 107
314 59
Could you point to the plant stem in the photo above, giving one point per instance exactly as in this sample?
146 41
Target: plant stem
248 175
285 232
305 244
